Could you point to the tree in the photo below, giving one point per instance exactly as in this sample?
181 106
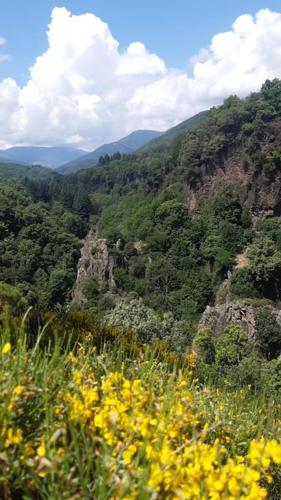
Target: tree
205 347
134 315
231 347
265 264
162 277
268 333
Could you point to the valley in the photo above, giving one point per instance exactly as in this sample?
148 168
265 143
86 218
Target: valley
140 315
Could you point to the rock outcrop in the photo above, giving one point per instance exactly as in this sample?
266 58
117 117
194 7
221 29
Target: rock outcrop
258 192
225 312
217 318
95 261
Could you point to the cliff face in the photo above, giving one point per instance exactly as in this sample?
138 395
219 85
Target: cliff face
259 188
96 262
217 318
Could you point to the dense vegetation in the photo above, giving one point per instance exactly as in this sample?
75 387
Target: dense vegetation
110 400
172 260
115 419
14 171
39 246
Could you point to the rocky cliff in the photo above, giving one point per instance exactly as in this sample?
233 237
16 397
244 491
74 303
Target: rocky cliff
217 318
258 175
95 261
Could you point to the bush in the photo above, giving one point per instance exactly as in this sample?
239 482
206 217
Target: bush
268 333
271 377
243 284
134 315
231 347
204 346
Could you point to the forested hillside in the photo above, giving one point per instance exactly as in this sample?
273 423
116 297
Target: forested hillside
175 221
125 146
39 245
155 285
14 171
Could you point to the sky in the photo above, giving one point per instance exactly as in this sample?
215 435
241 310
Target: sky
85 72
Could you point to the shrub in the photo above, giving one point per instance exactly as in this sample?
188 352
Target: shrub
231 347
268 333
204 346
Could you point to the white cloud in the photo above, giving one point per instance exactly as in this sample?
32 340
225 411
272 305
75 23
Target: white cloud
85 91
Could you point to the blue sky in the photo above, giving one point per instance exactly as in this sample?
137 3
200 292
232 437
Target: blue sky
174 29
109 67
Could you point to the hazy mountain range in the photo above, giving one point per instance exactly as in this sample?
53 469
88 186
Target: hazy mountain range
126 145
51 157
67 160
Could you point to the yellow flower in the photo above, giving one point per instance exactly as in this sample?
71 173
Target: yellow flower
156 477
13 437
129 453
18 390
72 358
77 375
42 473
233 486
41 450
6 348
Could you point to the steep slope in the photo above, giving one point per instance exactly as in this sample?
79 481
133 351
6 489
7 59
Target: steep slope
20 172
176 219
46 156
238 143
166 139
126 145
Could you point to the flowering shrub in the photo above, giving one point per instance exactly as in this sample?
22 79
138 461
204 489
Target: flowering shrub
86 425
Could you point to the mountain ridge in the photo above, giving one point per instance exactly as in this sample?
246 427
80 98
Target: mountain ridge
125 145
166 139
50 157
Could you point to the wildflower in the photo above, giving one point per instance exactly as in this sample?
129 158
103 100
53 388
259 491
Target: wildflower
72 358
6 348
41 450
129 453
18 390
13 437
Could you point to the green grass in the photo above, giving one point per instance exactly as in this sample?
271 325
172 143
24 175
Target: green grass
52 446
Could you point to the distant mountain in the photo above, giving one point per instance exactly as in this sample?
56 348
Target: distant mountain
4 160
50 157
167 137
126 145
19 172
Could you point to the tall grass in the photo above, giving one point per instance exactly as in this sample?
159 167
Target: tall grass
126 421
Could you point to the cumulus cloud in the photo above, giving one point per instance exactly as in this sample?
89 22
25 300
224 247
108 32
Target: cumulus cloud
85 91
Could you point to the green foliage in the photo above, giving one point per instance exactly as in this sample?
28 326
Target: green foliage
55 387
268 333
231 347
271 376
265 260
172 259
134 315
12 296
265 266
243 284
39 247
162 277
205 346
21 173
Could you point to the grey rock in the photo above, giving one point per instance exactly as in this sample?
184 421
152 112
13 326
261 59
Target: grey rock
95 261
218 317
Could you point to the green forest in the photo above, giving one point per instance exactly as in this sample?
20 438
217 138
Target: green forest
169 260
192 224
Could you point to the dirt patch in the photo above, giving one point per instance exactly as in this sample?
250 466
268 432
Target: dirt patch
241 261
